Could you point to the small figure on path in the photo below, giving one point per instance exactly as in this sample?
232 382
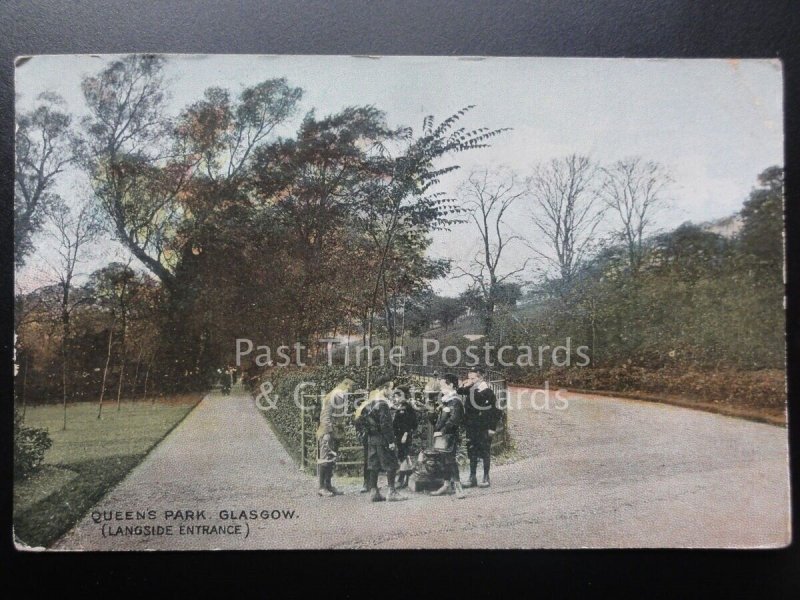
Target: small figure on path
328 436
447 429
224 381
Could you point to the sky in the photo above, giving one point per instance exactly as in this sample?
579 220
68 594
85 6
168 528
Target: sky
714 124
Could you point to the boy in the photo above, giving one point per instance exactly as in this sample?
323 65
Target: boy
404 424
327 438
449 423
381 455
481 416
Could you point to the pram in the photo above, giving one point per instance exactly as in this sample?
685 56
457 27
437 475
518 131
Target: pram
430 471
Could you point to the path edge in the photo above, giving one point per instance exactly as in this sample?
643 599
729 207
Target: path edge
723 410
21 546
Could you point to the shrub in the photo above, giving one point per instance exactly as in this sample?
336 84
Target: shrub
30 444
285 416
763 389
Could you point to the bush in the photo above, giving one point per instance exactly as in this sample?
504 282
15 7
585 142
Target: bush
30 444
285 416
286 420
764 389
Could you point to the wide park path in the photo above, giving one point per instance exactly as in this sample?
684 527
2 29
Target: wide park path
601 472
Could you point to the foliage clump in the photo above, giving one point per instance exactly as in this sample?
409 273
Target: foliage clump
30 445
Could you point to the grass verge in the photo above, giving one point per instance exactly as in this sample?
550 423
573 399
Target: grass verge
87 460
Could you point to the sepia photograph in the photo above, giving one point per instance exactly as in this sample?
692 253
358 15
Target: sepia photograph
398 302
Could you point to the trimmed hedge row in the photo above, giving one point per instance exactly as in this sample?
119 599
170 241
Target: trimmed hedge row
283 412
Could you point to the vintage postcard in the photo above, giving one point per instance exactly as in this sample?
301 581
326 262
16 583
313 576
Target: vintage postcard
351 302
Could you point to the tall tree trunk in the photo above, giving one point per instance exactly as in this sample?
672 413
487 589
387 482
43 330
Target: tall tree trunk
490 303
25 385
64 340
136 373
363 328
369 346
387 312
374 298
146 377
390 324
594 332
489 317
347 342
64 380
121 378
402 336
105 373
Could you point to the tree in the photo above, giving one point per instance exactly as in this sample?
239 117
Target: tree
223 133
760 260
486 200
224 232
133 168
565 211
508 294
472 300
761 236
402 205
73 230
446 310
114 289
313 184
689 250
158 178
407 271
351 178
417 312
634 190
43 148
171 187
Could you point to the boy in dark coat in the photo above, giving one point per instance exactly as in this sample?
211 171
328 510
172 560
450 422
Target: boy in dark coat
404 424
449 423
382 455
363 436
481 416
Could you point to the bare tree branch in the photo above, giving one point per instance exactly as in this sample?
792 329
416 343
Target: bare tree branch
634 190
487 198
565 211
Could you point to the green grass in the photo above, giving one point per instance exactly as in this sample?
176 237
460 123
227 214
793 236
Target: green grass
87 459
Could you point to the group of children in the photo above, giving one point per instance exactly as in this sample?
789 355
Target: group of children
387 438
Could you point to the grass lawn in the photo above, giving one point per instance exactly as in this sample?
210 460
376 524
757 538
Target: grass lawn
87 459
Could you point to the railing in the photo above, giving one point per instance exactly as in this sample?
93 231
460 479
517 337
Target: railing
351 455
309 418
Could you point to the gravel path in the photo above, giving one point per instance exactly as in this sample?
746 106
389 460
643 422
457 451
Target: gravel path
603 472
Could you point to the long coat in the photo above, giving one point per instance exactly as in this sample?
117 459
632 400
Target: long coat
451 417
481 412
331 402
